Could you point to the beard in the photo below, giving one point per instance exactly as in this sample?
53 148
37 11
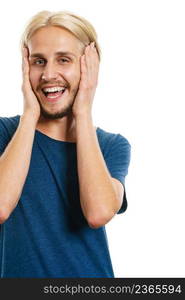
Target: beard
61 113
57 115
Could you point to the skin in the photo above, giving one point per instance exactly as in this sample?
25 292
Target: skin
100 195
79 72
70 119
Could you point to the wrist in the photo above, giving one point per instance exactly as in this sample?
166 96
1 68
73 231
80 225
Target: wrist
28 117
83 115
83 121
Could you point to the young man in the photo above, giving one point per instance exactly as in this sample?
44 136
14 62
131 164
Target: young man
61 179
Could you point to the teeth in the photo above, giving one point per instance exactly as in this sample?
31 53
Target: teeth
54 89
51 97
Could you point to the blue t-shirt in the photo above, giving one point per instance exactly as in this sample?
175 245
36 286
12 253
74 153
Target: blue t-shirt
46 235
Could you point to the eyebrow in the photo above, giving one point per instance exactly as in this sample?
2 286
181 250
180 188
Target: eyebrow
56 54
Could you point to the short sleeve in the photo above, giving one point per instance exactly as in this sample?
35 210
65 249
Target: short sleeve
117 159
4 136
8 126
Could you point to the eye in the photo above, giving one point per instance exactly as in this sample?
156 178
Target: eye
38 61
64 60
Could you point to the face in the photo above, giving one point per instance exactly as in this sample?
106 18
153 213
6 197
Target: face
54 58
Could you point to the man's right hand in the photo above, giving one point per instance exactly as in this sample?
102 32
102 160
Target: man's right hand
31 104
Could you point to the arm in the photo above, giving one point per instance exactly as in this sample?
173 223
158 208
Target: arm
100 195
15 160
14 164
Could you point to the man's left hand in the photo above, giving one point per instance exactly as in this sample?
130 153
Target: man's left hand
89 63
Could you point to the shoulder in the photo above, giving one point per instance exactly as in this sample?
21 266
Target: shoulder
10 121
8 125
108 140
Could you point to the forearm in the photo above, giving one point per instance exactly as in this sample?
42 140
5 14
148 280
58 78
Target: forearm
14 164
97 193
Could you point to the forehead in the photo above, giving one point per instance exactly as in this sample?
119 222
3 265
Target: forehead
53 38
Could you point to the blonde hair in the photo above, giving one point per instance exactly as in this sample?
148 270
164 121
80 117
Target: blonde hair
78 26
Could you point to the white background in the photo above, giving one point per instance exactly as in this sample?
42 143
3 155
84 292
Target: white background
140 95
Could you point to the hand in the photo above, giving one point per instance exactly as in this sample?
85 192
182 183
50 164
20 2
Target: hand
89 63
31 104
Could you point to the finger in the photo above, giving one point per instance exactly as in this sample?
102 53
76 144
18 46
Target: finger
24 54
96 60
83 64
93 55
89 63
23 59
25 63
88 56
86 53
25 69
83 79
92 63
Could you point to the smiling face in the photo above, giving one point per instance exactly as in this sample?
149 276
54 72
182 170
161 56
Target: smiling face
54 58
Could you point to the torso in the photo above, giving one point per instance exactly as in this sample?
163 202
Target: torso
57 136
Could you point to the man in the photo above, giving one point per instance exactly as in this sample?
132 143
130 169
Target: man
61 179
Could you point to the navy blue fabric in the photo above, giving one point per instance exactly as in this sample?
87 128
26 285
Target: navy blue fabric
47 235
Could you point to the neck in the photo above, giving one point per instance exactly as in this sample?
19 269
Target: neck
61 129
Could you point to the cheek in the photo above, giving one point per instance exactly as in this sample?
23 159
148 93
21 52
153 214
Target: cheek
73 75
34 78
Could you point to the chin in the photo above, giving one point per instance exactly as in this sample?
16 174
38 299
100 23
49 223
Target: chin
56 115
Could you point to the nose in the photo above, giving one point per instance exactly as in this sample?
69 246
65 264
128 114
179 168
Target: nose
50 72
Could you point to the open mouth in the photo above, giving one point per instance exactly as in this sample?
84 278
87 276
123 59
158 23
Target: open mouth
53 94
